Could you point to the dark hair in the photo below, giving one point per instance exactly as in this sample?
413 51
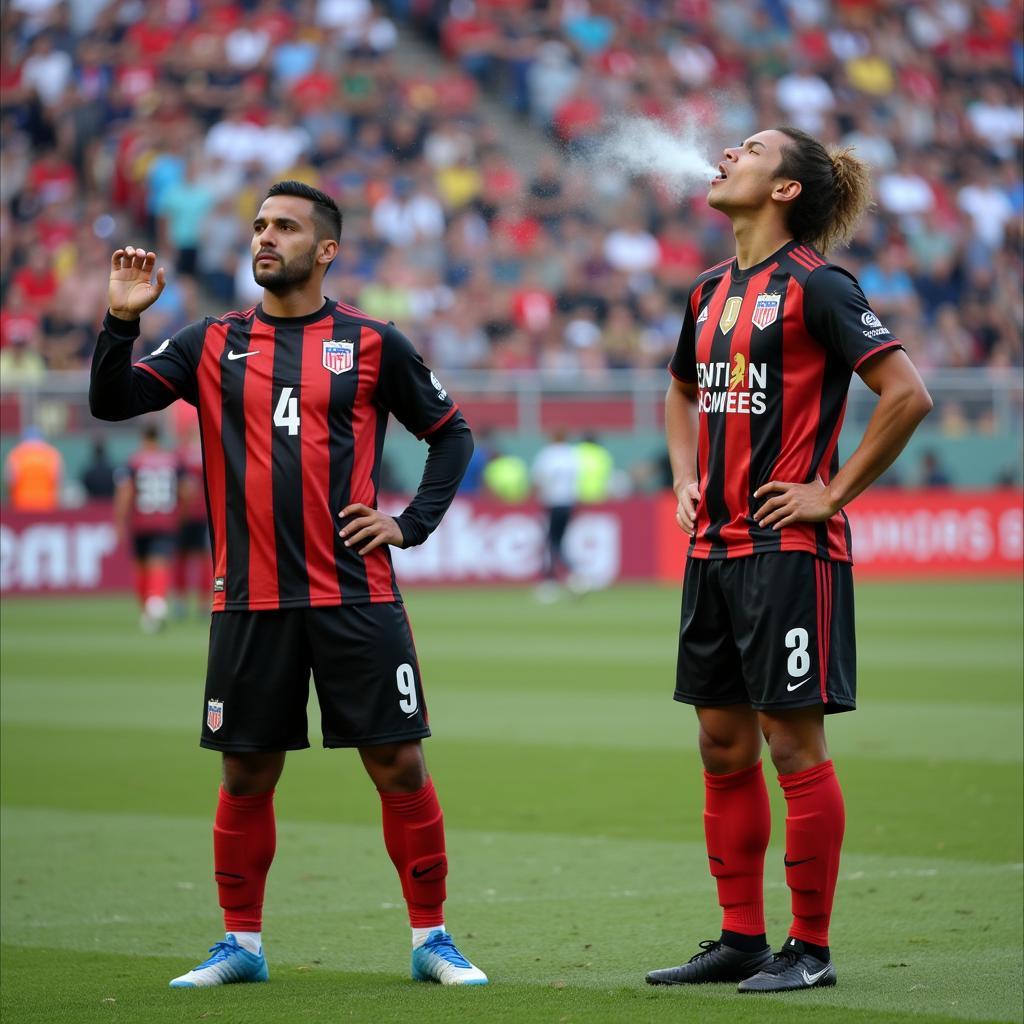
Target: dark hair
836 190
151 431
326 215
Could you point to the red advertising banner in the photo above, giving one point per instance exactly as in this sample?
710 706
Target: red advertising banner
895 533
907 533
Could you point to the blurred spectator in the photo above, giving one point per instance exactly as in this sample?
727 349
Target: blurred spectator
930 472
98 476
32 472
163 124
596 466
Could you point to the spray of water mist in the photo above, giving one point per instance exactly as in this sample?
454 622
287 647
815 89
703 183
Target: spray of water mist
637 146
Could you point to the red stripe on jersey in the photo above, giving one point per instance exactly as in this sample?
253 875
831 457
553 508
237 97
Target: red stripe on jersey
439 424
345 307
803 374
895 343
803 261
258 405
163 380
364 438
705 339
823 588
210 409
809 256
321 521
735 533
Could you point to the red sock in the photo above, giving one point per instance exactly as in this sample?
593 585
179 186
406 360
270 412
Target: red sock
159 577
141 583
737 826
181 576
815 822
244 840
414 837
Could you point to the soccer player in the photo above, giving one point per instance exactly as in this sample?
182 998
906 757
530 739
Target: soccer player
555 474
146 509
293 398
769 342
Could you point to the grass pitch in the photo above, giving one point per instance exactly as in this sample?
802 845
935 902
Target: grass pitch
572 796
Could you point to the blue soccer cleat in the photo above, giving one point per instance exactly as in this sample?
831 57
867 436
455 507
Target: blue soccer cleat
229 964
438 960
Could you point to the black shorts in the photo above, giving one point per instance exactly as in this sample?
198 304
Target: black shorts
152 545
364 667
774 631
194 536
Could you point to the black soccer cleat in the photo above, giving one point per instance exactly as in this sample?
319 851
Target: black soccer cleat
790 969
715 962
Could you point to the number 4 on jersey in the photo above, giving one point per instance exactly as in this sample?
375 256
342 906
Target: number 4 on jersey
286 412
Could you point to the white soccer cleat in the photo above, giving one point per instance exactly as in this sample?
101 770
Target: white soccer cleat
228 965
438 960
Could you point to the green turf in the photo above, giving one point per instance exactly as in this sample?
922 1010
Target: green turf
571 790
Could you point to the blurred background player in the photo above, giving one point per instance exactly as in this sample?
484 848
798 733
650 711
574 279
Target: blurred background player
769 342
99 476
293 396
192 562
147 514
555 475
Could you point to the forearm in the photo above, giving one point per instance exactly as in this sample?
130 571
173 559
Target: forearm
450 450
681 434
116 390
894 420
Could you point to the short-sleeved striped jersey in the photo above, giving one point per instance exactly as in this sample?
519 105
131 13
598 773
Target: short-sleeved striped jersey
293 413
155 475
772 350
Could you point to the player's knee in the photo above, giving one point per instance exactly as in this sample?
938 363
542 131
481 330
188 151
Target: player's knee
795 751
396 768
722 753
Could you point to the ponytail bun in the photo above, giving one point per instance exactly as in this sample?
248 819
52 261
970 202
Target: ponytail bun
851 189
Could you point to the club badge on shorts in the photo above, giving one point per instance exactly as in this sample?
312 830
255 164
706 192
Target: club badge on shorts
338 357
214 714
766 309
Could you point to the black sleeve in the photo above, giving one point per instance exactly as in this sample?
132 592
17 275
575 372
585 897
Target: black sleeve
423 406
838 315
408 389
450 448
683 365
118 390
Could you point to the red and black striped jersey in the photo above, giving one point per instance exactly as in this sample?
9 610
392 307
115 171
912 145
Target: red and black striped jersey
292 413
772 350
154 475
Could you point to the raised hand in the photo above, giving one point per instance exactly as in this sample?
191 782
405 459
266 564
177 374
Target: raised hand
131 287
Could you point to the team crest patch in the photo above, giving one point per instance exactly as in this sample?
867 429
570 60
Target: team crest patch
214 714
730 314
766 310
338 356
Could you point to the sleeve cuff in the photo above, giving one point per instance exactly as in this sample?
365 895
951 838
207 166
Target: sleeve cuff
127 329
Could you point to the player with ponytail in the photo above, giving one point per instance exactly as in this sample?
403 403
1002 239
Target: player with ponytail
769 343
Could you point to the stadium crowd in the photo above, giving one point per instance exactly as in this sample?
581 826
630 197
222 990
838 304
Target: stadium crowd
161 123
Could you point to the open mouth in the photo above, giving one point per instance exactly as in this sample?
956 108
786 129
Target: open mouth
721 176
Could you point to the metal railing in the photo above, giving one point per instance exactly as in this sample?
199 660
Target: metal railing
976 400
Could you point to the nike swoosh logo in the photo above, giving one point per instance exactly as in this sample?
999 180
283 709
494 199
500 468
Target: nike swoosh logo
242 355
717 860
796 686
812 978
426 871
793 863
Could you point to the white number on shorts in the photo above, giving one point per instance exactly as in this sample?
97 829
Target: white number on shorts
406 683
799 662
286 413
